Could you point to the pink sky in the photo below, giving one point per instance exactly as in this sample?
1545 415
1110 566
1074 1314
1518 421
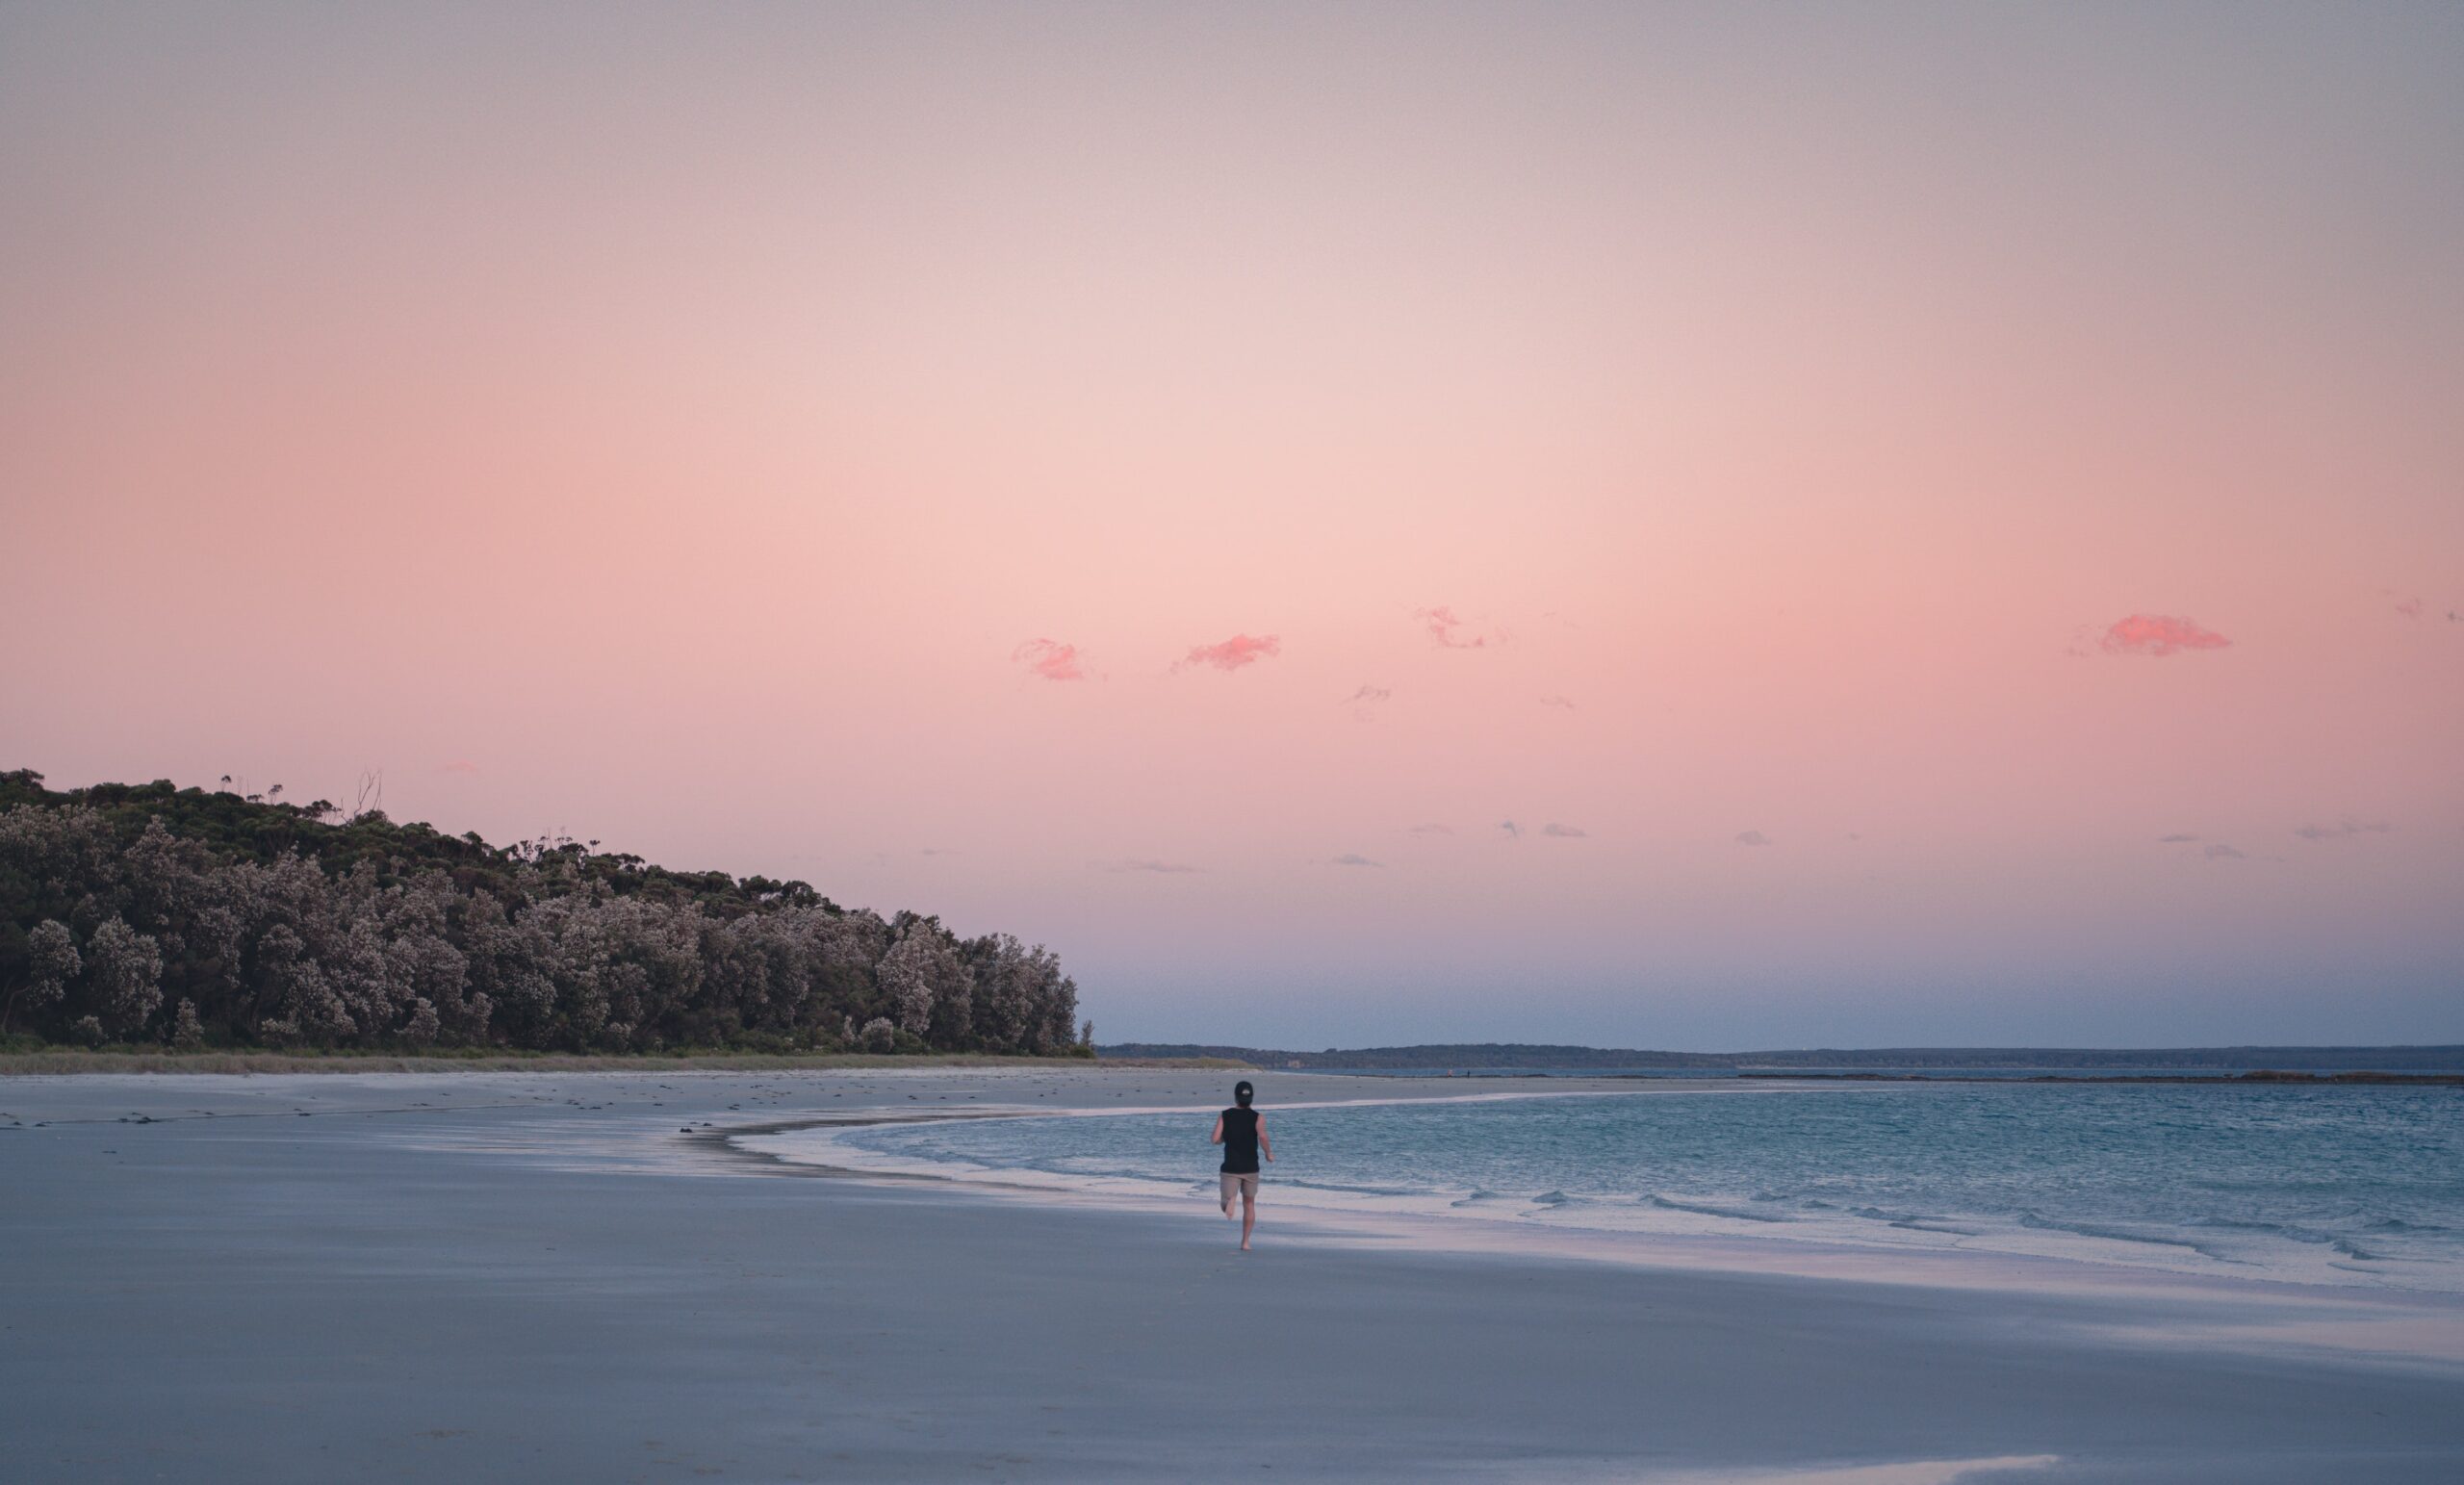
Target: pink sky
1179 484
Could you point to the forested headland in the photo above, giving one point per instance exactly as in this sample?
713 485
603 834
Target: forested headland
145 914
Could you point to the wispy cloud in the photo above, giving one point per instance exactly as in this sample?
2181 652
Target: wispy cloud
1513 831
1448 629
1564 703
1050 659
1368 696
1145 865
1752 838
2219 851
2343 829
1353 858
458 766
2410 607
2158 634
1234 652
1432 830
1563 831
2175 840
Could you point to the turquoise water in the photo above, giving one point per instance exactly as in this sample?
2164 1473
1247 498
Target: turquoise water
2347 1185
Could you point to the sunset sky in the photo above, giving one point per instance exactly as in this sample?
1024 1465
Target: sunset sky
1710 528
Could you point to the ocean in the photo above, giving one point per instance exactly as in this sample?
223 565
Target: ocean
2344 1186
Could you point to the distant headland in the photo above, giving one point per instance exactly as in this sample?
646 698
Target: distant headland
146 916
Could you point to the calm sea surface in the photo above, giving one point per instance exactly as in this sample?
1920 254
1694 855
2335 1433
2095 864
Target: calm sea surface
2359 1186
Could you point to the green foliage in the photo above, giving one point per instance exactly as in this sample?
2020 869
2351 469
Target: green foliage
143 912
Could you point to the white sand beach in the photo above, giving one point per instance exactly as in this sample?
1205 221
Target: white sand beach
603 1276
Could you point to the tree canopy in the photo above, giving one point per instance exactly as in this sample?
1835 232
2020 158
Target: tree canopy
150 913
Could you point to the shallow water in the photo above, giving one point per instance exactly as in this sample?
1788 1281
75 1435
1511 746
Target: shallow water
2352 1186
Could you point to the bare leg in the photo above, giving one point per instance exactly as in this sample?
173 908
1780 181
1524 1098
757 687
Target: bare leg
1248 1217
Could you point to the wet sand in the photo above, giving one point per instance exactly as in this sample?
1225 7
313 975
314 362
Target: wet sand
514 1276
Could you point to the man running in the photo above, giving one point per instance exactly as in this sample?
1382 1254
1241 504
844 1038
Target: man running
1243 1133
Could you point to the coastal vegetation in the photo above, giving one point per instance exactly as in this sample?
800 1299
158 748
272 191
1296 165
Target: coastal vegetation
145 915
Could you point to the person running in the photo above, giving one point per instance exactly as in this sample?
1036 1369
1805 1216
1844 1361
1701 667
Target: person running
1241 1131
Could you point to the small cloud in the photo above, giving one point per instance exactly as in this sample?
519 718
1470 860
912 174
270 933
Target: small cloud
1352 859
1563 831
2175 840
1368 696
2411 608
1565 702
1143 864
1234 652
1513 831
1432 830
1050 659
936 851
2219 851
458 766
1752 838
2343 830
2159 635
1448 630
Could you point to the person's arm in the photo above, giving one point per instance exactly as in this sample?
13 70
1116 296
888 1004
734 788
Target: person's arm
1266 1147
1217 1137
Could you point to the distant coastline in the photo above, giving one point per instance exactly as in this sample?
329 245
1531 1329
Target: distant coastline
1513 1056
2264 1076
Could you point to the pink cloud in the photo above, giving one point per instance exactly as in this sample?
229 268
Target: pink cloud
1234 652
1050 659
2159 635
1446 628
458 766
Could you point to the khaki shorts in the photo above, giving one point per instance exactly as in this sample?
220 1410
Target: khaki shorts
1244 1183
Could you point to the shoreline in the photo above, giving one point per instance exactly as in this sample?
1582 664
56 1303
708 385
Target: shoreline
2391 1308
76 1061
459 1276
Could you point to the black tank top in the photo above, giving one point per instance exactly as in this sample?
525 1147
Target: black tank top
1240 1141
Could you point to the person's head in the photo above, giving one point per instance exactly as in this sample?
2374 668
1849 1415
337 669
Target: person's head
1241 1094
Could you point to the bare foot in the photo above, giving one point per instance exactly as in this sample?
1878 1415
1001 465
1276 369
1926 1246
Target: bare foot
1244 1248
